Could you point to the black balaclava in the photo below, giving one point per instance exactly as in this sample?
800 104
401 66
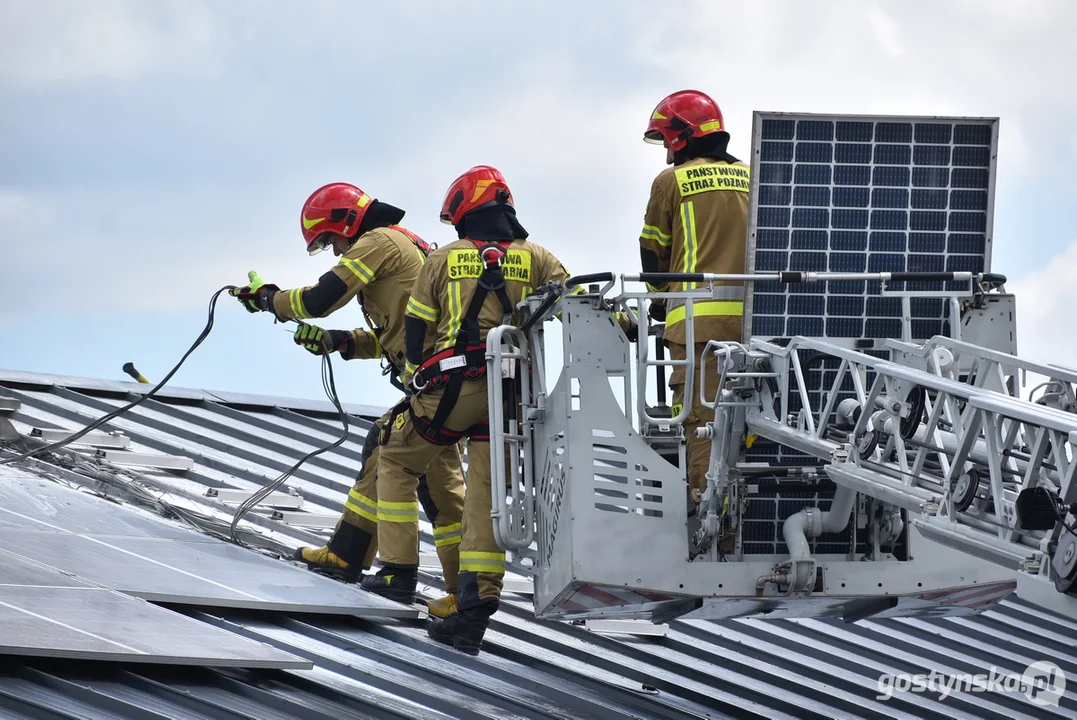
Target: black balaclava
379 214
491 224
709 146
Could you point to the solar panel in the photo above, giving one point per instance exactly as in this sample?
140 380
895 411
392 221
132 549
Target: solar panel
862 193
143 556
30 500
44 613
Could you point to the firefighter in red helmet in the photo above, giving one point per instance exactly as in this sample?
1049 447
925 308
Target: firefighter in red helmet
379 262
696 222
464 290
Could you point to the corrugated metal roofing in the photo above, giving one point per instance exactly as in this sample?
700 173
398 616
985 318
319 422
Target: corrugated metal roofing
528 668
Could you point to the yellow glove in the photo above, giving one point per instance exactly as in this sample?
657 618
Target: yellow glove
255 295
313 339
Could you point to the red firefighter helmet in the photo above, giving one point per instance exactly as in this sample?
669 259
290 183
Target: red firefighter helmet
336 207
682 115
479 187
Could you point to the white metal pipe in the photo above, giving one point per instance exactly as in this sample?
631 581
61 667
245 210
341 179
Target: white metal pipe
813 522
805 277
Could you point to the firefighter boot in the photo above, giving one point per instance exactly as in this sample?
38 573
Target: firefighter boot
464 628
443 607
325 561
394 582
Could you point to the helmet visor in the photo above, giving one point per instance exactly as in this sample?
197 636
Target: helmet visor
319 243
654 137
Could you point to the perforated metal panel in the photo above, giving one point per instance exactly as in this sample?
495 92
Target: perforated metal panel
862 193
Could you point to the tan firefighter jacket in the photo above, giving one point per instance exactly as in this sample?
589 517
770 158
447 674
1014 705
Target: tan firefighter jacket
697 221
379 270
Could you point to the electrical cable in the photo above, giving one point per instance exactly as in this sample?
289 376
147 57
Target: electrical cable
119 411
330 387
328 384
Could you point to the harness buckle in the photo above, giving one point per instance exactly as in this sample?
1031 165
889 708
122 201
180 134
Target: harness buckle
492 255
419 389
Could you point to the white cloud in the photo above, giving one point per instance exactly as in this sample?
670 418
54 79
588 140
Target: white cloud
68 41
169 145
873 57
887 32
1045 307
11 205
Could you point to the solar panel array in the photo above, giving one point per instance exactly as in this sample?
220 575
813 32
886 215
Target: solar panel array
865 194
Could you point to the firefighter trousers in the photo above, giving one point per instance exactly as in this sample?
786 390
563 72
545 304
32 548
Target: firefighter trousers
698 450
406 455
355 538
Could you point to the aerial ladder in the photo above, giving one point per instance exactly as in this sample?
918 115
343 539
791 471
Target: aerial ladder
933 486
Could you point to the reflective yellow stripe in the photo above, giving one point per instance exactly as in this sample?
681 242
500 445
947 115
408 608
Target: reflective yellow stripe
377 343
712 125
359 269
410 367
455 315
691 243
448 535
423 312
707 308
651 232
493 562
295 299
658 288
399 512
397 516
393 505
362 506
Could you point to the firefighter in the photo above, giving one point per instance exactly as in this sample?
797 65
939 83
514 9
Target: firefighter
464 290
696 222
379 261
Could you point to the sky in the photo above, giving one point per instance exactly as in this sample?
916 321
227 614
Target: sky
153 151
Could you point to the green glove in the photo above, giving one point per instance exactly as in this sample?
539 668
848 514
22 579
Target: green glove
255 295
313 339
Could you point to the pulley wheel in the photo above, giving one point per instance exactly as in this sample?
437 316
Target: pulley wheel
963 490
867 443
1064 563
917 404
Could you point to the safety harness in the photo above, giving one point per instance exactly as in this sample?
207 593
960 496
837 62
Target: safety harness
466 360
389 367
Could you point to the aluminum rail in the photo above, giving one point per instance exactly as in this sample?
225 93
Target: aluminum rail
514 522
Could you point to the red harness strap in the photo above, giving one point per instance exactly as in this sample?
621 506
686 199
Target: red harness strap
466 360
441 366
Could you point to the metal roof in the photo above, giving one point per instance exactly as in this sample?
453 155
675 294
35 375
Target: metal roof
528 668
